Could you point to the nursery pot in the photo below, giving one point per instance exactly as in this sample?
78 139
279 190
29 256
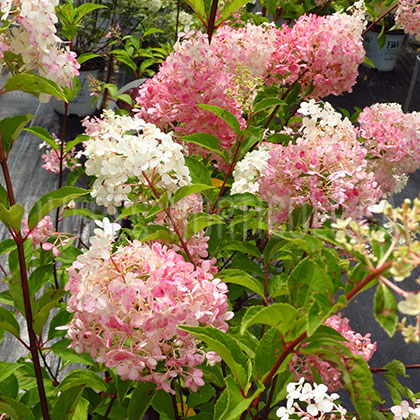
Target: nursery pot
82 104
385 58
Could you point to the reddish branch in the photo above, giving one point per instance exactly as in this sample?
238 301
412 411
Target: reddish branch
33 344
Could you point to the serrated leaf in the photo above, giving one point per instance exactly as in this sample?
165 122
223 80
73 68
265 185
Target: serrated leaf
208 141
141 399
84 9
78 377
385 309
15 409
225 115
199 8
82 58
65 406
11 128
230 8
7 369
243 279
281 316
72 143
244 247
226 347
45 303
188 190
51 201
134 209
62 317
40 277
8 321
7 245
81 411
268 103
267 351
199 223
12 218
69 355
199 173
43 134
34 84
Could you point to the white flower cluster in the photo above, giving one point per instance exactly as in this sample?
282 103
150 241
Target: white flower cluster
32 35
125 153
318 402
404 411
249 170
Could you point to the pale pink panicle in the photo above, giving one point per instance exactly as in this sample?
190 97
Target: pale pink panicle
199 73
325 168
33 36
323 50
357 344
407 16
41 232
406 411
392 142
128 305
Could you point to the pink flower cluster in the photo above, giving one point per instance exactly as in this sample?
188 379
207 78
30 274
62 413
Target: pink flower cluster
358 344
407 16
128 304
34 39
392 142
326 168
323 50
40 233
199 73
51 158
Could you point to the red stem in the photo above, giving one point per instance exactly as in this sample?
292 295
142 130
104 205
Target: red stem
212 19
33 345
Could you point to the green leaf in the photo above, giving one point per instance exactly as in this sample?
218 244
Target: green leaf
84 9
307 281
65 406
226 116
231 404
243 279
188 190
34 84
7 245
62 317
281 316
40 277
208 141
303 240
44 135
72 143
82 58
45 303
12 218
141 399
15 409
226 347
81 411
11 128
199 8
268 103
69 355
7 369
267 351
80 377
134 209
199 173
8 321
162 403
203 221
385 309
51 201
83 212
231 7
245 247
